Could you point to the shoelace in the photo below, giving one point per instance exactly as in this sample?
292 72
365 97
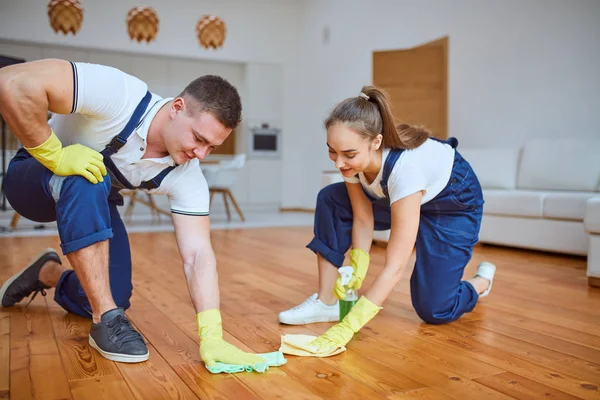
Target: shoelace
121 328
304 304
38 288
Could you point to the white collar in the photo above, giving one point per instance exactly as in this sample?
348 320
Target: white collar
377 180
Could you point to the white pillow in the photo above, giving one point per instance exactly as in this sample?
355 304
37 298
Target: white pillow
495 168
560 164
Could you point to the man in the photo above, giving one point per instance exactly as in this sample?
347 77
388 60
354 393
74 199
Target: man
146 142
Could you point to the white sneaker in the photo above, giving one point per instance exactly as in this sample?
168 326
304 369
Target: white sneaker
486 270
310 311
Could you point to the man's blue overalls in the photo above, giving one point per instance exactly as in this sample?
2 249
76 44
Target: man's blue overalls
448 230
85 213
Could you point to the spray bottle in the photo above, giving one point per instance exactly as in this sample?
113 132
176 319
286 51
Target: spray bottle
351 294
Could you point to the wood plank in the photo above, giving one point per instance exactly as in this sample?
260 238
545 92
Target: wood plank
154 379
431 353
421 394
537 338
213 386
46 371
264 337
522 388
173 344
550 329
64 324
512 345
20 377
81 361
540 339
329 382
4 354
100 388
512 363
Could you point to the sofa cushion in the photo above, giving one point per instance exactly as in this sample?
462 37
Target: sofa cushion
519 203
560 164
592 215
495 168
566 205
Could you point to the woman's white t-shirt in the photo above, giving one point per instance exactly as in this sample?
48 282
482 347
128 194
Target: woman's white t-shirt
427 168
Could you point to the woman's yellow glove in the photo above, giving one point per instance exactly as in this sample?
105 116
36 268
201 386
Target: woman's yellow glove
75 159
359 261
212 346
340 334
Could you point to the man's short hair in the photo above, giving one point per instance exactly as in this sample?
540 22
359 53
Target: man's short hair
216 96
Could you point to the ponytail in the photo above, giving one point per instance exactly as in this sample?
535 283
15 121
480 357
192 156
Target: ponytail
370 114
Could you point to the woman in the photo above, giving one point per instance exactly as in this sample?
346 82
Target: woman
402 179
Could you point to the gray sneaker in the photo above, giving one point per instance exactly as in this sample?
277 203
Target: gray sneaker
21 285
116 339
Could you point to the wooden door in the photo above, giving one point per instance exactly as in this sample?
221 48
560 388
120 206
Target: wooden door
417 81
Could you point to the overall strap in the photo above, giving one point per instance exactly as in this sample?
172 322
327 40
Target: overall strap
388 166
119 141
157 180
452 141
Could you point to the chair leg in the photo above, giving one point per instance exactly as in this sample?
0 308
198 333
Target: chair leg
226 206
153 207
235 204
129 210
15 220
210 201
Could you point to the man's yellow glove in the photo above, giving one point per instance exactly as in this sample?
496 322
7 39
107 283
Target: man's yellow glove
359 261
340 334
212 346
75 159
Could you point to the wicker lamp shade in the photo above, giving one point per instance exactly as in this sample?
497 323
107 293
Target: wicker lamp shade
65 15
210 30
142 24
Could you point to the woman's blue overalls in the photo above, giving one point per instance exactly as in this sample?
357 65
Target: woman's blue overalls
448 230
85 214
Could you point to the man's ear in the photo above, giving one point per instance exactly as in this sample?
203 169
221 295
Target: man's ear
177 106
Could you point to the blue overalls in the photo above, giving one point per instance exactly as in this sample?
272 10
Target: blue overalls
85 214
448 229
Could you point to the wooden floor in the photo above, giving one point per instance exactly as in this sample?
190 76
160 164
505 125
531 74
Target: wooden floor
536 336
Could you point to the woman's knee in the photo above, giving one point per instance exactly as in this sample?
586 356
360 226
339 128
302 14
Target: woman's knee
433 313
333 194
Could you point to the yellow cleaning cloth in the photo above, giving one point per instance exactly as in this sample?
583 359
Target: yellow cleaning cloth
298 345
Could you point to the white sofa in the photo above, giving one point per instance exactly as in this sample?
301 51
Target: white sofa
544 195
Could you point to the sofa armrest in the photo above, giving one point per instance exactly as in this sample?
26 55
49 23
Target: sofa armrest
591 219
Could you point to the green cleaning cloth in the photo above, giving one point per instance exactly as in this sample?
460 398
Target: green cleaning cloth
274 359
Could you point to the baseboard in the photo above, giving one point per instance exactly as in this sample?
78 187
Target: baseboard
296 209
593 281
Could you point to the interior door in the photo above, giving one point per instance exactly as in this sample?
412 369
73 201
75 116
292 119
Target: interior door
417 81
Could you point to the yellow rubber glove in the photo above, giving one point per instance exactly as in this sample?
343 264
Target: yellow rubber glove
212 346
340 334
359 261
75 159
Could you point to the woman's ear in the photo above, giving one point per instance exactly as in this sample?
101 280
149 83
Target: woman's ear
377 142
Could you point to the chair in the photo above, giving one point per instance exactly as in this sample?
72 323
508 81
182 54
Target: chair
221 178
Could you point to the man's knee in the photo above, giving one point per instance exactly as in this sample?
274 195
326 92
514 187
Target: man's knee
78 188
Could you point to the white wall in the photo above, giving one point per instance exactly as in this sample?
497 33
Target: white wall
258 30
517 69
